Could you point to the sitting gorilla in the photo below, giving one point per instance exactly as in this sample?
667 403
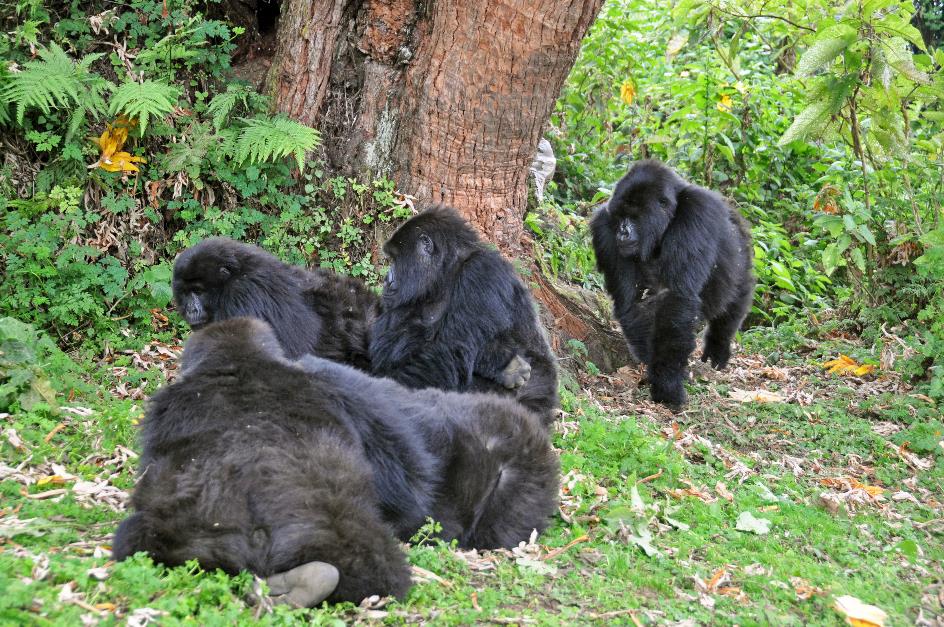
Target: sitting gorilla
671 253
245 467
254 462
315 311
454 315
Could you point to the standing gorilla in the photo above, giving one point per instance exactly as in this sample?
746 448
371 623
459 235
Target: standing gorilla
244 467
456 316
315 311
671 252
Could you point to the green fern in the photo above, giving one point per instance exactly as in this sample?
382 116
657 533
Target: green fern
56 82
270 139
143 100
223 104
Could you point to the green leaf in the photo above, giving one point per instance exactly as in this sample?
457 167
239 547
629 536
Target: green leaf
270 139
829 44
865 233
810 120
858 259
898 55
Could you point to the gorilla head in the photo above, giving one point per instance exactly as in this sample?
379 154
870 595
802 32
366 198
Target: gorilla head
423 251
201 275
642 207
214 345
311 311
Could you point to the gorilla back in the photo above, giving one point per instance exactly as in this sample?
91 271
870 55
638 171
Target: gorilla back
244 468
315 311
496 477
456 316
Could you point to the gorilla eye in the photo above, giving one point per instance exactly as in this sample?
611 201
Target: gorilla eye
225 272
426 243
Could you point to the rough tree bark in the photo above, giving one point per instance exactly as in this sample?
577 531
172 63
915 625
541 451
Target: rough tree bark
448 98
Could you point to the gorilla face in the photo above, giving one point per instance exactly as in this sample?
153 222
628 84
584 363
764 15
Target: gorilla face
416 263
201 274
642 207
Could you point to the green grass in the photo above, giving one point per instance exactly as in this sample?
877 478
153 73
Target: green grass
632 470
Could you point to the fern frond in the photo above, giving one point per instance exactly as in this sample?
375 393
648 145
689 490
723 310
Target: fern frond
55 81
223 104
143 100
269 139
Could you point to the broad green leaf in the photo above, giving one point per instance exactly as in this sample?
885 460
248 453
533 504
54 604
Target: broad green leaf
865 233
898 54
809 121
858 259
895 25
829 44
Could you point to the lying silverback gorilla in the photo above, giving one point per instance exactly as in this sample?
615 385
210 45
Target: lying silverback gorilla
306 472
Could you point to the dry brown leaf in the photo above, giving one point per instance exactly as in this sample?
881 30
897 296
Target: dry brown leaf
723 491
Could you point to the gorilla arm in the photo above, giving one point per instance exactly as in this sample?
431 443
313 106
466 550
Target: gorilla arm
688 253
622 278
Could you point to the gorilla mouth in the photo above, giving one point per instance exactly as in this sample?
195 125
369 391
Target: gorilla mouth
627 249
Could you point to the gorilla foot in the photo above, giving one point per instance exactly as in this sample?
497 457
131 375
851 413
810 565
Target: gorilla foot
516 373
717 353
304 586
669 393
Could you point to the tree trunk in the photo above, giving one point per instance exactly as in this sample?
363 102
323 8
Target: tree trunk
448 98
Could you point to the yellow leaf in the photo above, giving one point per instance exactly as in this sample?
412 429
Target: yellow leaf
859 613
725 103
51 479
121 162
628 91
845 365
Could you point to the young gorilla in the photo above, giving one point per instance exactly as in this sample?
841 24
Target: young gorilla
315 311
246 467
671 252
456 316
491 476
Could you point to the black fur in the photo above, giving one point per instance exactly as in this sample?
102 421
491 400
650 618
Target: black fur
245 467
487 471
671 253
315 311
455 315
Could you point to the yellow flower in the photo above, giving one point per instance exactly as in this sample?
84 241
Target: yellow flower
725 103
628 91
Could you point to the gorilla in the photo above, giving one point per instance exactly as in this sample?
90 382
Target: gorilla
244 467
306 472
487 473
315 311
454 315
672 253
